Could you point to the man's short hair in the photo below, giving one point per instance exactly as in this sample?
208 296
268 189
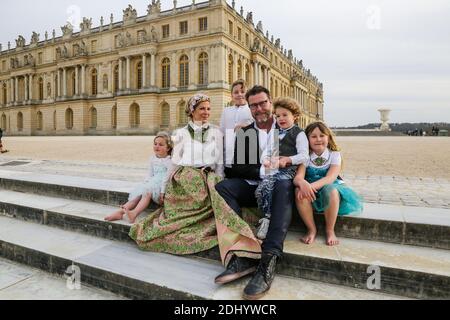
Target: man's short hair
239 82
257 90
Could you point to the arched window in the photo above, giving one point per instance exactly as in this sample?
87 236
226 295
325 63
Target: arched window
203 69
182 116
116 78
239 70
184 71
3 121
135 116
114 117
93 118
69 119
139 75
165 115
20 121
165 65
4 93
230 69
94 81
40 121
41 89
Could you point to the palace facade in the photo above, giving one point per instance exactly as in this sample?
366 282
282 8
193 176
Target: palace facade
135 76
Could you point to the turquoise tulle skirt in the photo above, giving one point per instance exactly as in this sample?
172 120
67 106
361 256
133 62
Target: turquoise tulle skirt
351 202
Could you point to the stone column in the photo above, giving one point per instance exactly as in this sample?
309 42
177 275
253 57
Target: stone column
77 91
64 82
26 87
83 79
12 91
58 89
99 79
128 73
52 85
255 73
120 74
173 72
144 70
16 85
153 70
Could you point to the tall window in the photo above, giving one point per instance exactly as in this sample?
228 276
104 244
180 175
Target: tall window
165 115
134 116
247 40
183 27
203 68
40 121
116 78
69 119
4 93
93 118
182 116
239 70
139 75
114 117
41 89
4 122
165 31
239 34
73 84
94 81
247 73
230 69
40 58
165 73
20 121
230 27
184 71
94 46
141 36
203 24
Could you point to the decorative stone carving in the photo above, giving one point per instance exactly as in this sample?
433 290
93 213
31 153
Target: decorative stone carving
67 30
153 35
154 8
49 89
265 51
242 11
259 26
278 43
34 38
256 45
249 17
20 42
83 49
129 15
86 25
290 55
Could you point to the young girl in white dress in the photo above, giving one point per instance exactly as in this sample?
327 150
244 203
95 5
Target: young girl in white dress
154 187
320 188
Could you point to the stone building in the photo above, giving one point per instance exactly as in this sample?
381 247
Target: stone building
135 76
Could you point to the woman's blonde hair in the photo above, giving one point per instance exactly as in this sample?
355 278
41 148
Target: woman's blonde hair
332 145
288 104
167 138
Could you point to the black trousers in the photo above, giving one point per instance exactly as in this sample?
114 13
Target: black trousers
239 194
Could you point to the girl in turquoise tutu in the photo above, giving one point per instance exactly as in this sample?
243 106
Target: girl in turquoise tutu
154 187
319 186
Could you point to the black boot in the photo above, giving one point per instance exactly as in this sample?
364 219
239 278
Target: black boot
262 280
236 269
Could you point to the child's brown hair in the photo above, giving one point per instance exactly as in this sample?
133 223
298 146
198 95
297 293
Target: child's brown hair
167 138
288 104
332 145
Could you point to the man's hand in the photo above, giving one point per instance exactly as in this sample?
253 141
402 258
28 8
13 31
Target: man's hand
307 191
285 162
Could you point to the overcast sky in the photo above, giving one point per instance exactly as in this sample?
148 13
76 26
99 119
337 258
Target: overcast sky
368 53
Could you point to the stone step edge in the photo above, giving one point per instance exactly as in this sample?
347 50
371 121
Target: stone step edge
398 232
293 265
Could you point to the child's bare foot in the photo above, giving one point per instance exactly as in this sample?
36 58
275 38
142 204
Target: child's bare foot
310 237
332 240
118 215
132 216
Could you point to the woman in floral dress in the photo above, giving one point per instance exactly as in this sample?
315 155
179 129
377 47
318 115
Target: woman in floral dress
194 217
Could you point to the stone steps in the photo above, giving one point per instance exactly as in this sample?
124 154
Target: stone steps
121 268
410 271
427 227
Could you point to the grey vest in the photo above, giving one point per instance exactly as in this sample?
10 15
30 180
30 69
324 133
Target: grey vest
288 145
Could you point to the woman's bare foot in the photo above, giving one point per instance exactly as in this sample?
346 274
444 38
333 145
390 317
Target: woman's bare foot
310 237
118 215
332 240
